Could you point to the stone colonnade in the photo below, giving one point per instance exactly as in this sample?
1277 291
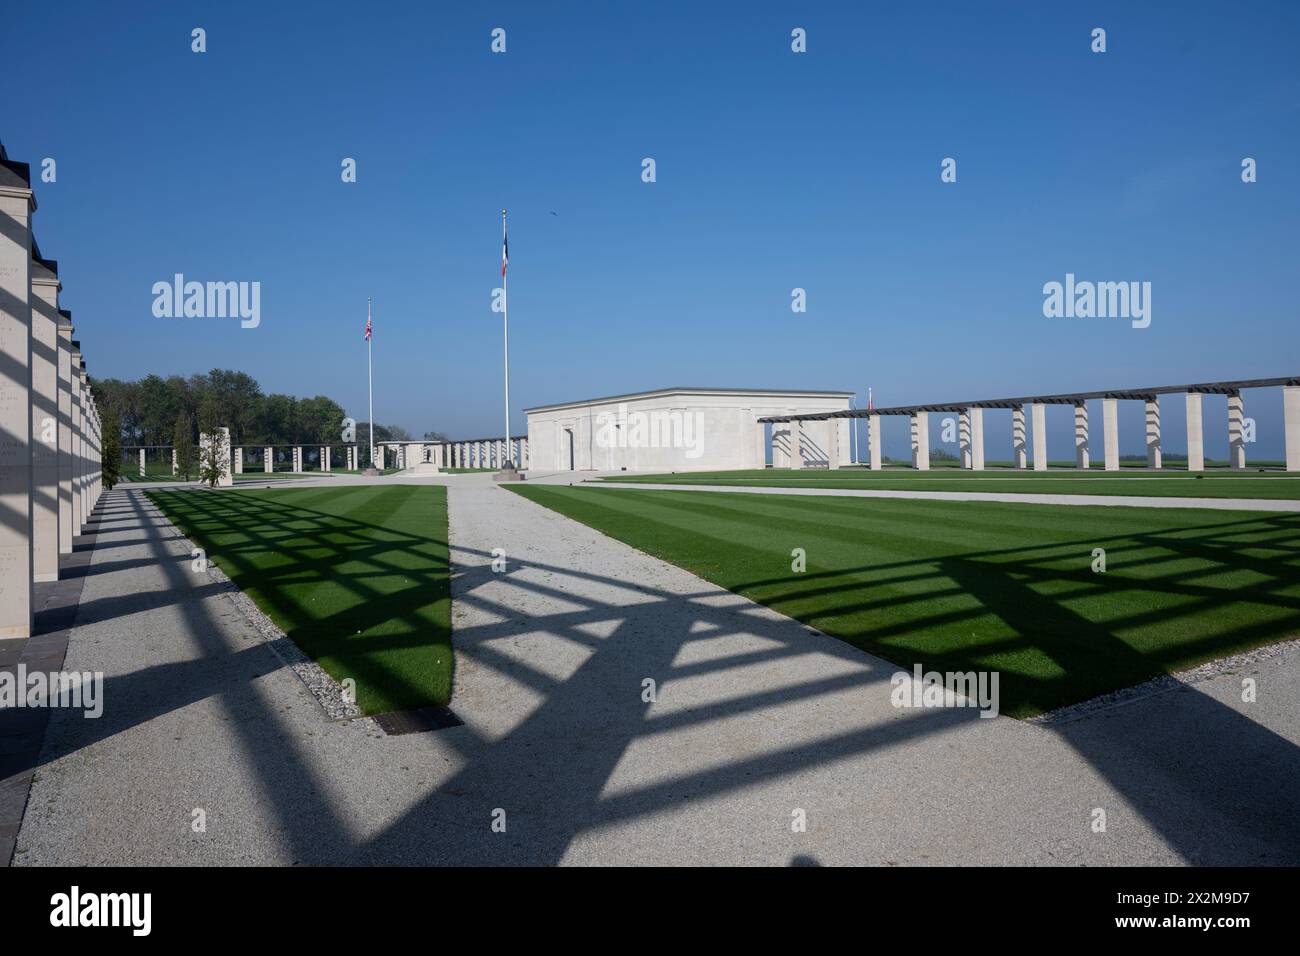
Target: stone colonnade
491 453
50 477
970 428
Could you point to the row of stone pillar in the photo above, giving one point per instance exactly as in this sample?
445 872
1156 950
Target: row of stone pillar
970 434
50 456
488 453
325 452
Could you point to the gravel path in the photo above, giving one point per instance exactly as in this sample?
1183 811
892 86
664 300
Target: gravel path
755 719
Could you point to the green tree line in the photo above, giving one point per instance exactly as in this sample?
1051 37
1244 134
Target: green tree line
156 410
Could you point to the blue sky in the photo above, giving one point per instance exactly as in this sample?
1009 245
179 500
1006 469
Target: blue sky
775 170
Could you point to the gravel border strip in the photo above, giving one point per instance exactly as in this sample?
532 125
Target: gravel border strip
1165 683
323 688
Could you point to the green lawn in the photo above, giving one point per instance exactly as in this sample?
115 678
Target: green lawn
976 586
1246 484
154 473
356 576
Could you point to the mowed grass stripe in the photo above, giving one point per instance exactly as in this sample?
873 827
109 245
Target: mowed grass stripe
1281 487
973 585
356 576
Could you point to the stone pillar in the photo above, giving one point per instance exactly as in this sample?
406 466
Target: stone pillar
1291 425
268 460
1195 439
1082 452
143 469
239 461
921 441
1038 421
16 207
1110 432
176 464
97 464
66 529
326 456
963 439
44 306
873 441
1019 447
297 459
1153 432
977 439
83 457
841 442
1236 432
523 452
78 425
796 443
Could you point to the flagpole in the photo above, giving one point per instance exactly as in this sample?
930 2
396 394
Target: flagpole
505 319
370 378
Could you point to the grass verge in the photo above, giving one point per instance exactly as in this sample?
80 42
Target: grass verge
982 586
357 577
1222 485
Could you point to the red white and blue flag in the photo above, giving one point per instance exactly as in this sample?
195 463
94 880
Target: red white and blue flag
505 250
369 328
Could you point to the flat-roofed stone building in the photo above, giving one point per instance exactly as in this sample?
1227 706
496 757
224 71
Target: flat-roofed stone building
687 429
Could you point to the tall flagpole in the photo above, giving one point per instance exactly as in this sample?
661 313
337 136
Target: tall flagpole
505 318
370 376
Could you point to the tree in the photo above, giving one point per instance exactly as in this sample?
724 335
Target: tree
212 452
278 421
183 443
157 413
238 398
320 420
111 467
436 436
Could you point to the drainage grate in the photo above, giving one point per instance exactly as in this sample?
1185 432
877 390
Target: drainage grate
417 721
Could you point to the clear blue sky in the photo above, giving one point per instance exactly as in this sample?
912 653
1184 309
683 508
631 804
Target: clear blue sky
775 170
